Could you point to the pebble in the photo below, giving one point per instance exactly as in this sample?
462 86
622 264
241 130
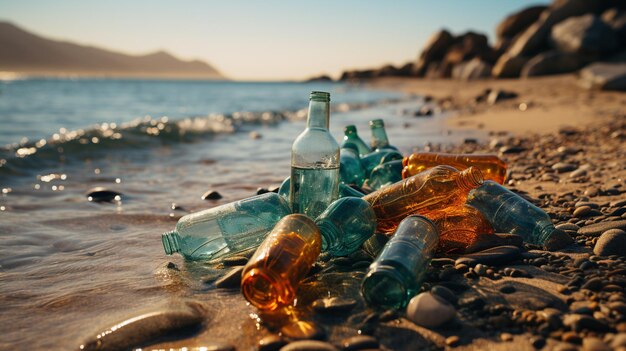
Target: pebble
611 242
429 310
445 293
506 337
568 227
230 280
333 304
578 173
101 194
578 322
309 345
558 240
487 241
601 227
562 167
594 344
538 342
619 340
581 211
452 340
360 342
571 337
271 343
211 195
493 256
507 289
300 330
594 284
261 191
235 261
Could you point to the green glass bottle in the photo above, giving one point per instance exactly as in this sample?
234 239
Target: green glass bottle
314 161
378 157
345 225
351 136
397 273
344 190
508 212
384 174
350 169
380 141
226 229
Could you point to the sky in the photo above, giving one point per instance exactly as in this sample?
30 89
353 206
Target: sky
262 40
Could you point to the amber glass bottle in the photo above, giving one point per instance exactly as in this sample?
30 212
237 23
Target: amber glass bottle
459 227
492 167
431 190
271 277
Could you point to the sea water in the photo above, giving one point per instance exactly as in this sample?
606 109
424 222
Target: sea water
314 189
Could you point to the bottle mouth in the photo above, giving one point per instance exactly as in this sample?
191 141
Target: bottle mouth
170 244
470 178
350 129
377 123
321 96
261 288
383 288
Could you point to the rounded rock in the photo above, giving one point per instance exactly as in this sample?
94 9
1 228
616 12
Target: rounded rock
309 345
211 195
271 343
429 311
101 194
445 293
594 344
611 242
360 342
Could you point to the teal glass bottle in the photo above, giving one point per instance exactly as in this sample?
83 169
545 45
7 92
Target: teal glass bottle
397 273
351 136
344 190
345 225
377 157
226 229
380 141
314 161
384 174
350 169
508 212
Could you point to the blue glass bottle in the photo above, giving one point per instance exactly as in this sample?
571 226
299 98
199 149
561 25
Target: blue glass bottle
378 157
508 212
345 225
350 169
344 190
351 136
226 229
380 141
384 174
397 273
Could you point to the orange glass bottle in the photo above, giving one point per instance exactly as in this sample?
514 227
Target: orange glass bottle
434 189
459 227
492 167
271 277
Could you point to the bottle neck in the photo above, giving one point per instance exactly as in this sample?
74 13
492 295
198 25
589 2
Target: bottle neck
319 114
470 178
171 242
379 137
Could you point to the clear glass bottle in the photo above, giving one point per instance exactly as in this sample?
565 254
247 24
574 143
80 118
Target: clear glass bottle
431 190
398 272
492 166
344 190
314 161
378 157
271 276
385 174
351 136
226 229
510 213
350 169
380 141
345 225
459 227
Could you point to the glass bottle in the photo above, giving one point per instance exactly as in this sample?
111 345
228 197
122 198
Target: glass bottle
351 136
226 229
380 140
510 213
345 225
344 190
378 157
492 166
431 190
459 227
271 276
314 161
350 169
398 272
385 174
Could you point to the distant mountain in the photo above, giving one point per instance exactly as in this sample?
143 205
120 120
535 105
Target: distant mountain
27 53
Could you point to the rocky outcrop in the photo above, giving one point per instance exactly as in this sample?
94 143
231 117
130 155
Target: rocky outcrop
515 24
434 50
476 68
604 76
584 35
508 66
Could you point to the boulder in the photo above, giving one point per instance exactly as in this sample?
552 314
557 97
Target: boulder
473 69
434 50
508 66
553 62
466 47
585 35
516 23
616 19
604 76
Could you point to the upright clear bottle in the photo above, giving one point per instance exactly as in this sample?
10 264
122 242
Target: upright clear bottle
314 161
380 141
351 136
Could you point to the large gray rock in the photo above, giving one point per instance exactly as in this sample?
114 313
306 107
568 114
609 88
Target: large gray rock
516 23
472 69
553 62
587 35
604 76
508 66
435 48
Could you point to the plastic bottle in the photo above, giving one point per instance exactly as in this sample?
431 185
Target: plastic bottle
459 227
385 174
351 136
226 229
431 190
398 272
510 213
314 161
271 277
378 157
350 169
380 141
344 190
492 166
345 225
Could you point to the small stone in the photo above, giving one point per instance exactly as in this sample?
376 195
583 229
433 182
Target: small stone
561 167
271 343
506 337
594 344
452 340
579 173
619 340
429 310
309 345
507 289
601 227
300 330
360 342
594 284
333 304
235 261
578 322
487 241
101 194
493 256
538 342
445 293
558 240
570 227
611 242
571 337
211 195
261 191
230 280
512 150
582 211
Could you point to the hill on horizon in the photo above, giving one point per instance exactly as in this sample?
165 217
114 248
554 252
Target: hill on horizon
26 53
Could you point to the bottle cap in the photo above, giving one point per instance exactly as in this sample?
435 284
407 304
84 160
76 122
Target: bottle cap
319 96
